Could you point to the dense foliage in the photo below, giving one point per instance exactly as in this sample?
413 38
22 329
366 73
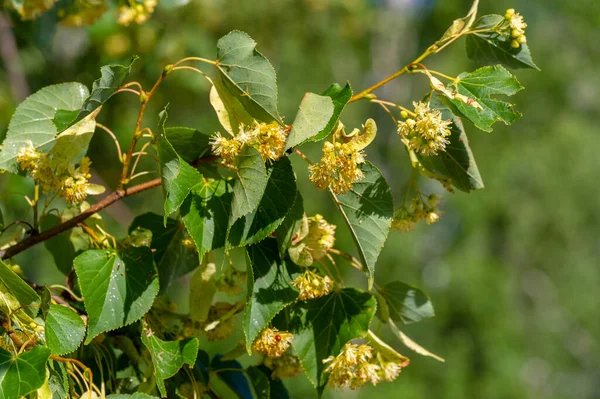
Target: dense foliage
231 199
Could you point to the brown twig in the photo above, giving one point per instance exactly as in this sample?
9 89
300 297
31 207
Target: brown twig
107 201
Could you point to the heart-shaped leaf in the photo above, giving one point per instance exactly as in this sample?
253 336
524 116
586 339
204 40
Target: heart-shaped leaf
64 330
118 288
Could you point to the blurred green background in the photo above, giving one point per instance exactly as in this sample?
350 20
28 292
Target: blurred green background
513 270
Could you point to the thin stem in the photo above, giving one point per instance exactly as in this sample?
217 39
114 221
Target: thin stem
383 105
62 287
206 60
114 137
144 173
364 93
124 89
137 160
137 84
303 157
138 131
107 201
189 68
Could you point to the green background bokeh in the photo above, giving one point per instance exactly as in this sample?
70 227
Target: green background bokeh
513 270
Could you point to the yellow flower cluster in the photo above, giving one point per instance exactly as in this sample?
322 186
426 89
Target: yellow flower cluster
356 365
427 133
273 342
338 168
285 366
315 237
517 28
406 220
352 368
321 236
70 182
268 138
135 12
311 285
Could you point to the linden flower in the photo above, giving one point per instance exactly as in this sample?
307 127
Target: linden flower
338 168
406 220
352 368
27 157
320 237
517 28
283 367
226 148
75 188
404 225
269 139
136 12
427 133
273 342
311 285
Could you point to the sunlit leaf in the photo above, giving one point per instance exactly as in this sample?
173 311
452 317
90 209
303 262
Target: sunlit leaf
117 288
248 75
274 205
492 47
368 210
269 287
478 87
456 164
64 330
250 184
32 121
177 175
168 356
23 373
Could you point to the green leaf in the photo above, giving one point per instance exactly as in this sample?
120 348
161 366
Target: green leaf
493 47
173 255
290 225
32 121
368 210
250 185
260 383
190 144
339 96
24 373
111 78
205 214
274 205
316 116
136 395
168 356
16 293
64 330
322 326
72 144
248 75
457 163
58 380
478 87
269 287
178 176
406 303
117 288
230 111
